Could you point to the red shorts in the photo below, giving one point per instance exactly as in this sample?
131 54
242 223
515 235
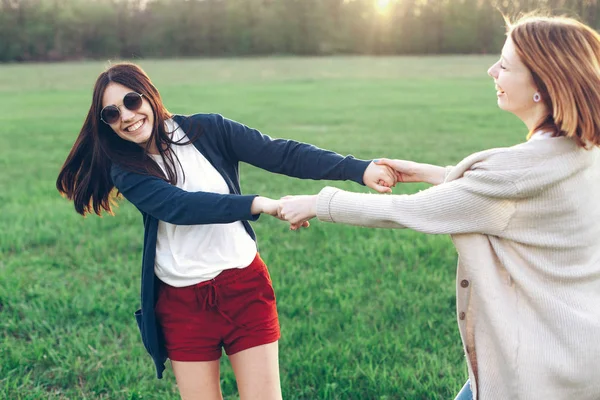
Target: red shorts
236 311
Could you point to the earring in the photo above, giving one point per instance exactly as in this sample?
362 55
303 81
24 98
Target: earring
537 97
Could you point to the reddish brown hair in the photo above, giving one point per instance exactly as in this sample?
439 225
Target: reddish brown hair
563 56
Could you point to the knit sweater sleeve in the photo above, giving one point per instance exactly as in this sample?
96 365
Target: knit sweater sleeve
479 202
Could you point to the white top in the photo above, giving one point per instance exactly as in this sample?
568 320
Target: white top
525 221
189 254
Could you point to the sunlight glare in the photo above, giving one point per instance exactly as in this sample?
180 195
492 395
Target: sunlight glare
382 6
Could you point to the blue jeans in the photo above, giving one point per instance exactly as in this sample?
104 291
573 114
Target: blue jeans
465 393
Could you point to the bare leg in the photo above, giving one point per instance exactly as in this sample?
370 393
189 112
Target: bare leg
198 380
257 372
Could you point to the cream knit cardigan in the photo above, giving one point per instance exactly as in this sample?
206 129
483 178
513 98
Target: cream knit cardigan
525 221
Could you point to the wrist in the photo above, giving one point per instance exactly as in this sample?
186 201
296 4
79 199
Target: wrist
432 174
313 205
257 205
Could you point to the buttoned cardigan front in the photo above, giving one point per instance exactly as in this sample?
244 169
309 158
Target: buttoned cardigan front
525 221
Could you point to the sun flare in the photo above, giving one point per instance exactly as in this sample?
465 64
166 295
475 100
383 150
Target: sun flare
382 6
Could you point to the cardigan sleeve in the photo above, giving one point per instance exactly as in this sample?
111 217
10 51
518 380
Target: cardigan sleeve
479 202
288 157
168 203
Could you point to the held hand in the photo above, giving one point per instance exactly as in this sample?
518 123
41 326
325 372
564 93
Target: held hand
264 205
380 177
405 171
410 171
297 210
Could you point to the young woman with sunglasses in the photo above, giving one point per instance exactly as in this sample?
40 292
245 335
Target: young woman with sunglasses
204 286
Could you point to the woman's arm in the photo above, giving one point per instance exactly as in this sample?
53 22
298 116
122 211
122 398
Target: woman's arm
479 202
171 204
410 171
300 160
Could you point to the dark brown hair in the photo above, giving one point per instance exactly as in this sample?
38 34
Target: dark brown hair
85 176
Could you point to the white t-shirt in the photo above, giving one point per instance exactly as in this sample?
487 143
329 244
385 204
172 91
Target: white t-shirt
189 254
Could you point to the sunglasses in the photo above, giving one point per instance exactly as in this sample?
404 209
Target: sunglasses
111 114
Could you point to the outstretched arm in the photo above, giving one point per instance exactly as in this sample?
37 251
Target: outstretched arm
174 205
300 160
479 202
410 171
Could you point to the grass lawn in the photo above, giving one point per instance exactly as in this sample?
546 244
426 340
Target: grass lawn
365 313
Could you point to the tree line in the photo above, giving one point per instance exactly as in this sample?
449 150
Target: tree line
54 30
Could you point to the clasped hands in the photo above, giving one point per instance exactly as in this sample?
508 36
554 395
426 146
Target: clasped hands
381 175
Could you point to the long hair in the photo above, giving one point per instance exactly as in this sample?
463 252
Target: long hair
563 56
85 176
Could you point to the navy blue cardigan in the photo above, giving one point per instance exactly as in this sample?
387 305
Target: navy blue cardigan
224 143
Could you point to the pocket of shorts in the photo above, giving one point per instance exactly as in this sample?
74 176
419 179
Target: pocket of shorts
264 272
267 289
163 296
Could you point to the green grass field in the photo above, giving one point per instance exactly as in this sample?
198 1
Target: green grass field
365 313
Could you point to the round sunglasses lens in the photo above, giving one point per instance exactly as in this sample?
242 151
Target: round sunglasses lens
133 101
110 114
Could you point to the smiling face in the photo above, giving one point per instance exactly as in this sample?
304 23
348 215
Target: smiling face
515 86
133 126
